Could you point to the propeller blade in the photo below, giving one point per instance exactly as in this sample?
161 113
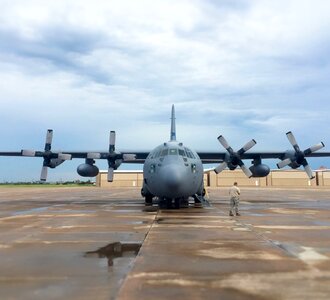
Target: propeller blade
110 174
284 163
49 139
112 141
246 171
220 168
223 142
292 140
28 153
309 171
314 148
44 171
247 146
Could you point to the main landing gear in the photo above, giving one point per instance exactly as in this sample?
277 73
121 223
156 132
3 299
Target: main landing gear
176 203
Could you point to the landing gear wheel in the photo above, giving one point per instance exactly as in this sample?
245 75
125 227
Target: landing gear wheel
168 203
177 202
198 203
148 200
185 203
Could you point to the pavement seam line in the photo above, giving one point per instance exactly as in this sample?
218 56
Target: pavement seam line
133 262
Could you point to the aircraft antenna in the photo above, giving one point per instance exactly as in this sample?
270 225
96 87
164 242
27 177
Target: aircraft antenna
173 130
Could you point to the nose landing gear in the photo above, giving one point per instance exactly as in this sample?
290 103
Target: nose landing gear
173 203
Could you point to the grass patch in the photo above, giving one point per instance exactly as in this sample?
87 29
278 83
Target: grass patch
45 185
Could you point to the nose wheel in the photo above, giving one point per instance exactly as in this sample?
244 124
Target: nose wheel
169 203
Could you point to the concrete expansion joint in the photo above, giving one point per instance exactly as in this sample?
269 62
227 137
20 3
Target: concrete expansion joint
127 276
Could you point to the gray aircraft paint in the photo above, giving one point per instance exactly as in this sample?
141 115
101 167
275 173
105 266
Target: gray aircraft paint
172 170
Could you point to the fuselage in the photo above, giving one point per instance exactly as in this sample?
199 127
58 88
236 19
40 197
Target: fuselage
173 171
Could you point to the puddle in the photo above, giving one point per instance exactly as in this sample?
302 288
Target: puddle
115 250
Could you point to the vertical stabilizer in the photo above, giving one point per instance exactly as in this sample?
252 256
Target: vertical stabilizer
173 130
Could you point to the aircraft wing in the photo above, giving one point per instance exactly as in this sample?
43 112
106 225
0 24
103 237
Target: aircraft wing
136 157
232 159
217 157
52 159
11 153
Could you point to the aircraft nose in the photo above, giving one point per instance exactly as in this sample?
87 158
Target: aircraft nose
172 177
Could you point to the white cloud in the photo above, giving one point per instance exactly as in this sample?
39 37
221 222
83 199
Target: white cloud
245 69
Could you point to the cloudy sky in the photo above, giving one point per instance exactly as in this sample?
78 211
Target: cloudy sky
244 69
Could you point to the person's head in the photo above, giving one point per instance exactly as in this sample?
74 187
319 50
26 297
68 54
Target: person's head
235 183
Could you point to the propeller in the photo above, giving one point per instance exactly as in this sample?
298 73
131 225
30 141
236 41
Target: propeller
298 158
111 156
114 158
51 160
234 158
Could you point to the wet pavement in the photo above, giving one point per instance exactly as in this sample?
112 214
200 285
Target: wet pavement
83 243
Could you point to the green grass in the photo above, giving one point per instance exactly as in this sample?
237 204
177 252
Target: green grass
42 185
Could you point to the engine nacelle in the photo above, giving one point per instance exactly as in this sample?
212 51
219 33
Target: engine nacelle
54 162
259 170
296 159
87 170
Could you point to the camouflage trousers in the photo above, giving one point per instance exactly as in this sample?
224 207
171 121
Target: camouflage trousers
234 202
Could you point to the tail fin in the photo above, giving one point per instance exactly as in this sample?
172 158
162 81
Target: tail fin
173 130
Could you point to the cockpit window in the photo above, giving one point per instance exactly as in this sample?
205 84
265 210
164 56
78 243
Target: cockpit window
189 153
164 152
182 153
173 151
157 153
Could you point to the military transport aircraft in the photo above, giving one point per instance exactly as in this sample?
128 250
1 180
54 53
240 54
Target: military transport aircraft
173 172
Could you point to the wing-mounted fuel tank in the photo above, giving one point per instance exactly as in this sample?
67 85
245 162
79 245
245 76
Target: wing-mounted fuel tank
114 158
258 169
88 169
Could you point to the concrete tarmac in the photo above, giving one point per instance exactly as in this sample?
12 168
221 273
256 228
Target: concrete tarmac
93 243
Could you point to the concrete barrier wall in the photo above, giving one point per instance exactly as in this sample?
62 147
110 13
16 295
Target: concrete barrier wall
227 178
292 178
121 179
323 178
276 178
